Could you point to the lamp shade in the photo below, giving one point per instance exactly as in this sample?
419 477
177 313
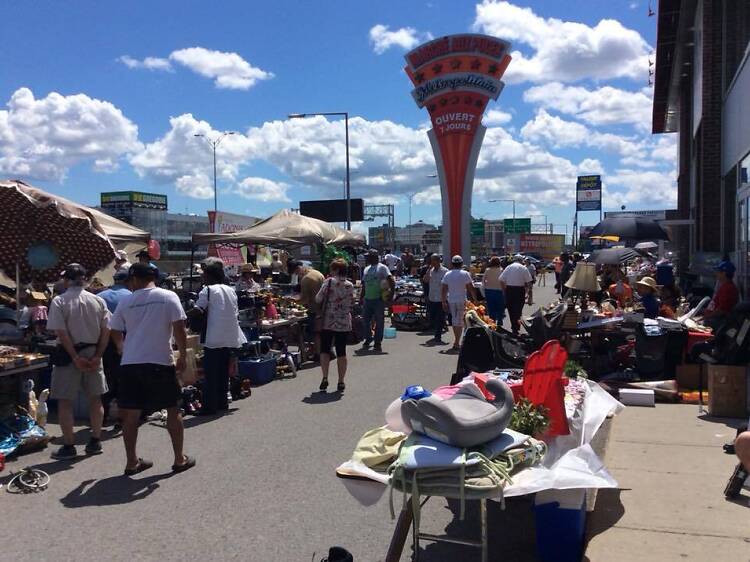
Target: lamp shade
584 278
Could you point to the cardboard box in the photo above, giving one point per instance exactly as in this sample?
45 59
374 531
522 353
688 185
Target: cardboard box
690 377
727 389
637 397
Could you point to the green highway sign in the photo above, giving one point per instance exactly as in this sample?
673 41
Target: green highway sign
477 228
517 226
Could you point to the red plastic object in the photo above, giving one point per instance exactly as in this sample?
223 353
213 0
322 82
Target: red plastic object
154 249
2 462
544 384
402 308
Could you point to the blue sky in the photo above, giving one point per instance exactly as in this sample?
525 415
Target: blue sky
83 110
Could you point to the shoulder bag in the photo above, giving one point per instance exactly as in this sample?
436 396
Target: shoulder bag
204 317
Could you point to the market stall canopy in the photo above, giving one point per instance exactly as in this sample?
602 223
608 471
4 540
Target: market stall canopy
285 229
40 233
630 228
613 256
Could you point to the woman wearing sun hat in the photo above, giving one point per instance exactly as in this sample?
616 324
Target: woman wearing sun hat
646 288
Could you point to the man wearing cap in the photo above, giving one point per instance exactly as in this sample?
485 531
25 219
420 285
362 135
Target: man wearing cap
377 282
456 284
111 357
725 296
79 320
515 280
150 317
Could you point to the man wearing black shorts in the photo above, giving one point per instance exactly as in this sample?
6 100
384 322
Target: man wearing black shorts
148 374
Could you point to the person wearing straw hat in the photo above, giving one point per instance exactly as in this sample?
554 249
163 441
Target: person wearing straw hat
646 289
246 281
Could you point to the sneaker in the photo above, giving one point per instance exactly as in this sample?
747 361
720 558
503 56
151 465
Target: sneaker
66 452
366 345
377 347
94 447
736 482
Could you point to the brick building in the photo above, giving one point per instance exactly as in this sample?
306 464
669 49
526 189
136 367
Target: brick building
702 92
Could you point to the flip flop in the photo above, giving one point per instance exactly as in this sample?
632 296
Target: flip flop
140 467
187 465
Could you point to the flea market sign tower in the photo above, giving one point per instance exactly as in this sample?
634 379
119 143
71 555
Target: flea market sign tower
454 77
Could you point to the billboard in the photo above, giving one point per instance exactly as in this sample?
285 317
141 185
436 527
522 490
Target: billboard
333 210
655 215
589 193
131 199
454 78
229 222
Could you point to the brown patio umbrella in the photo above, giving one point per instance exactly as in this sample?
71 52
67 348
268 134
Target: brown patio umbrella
41 233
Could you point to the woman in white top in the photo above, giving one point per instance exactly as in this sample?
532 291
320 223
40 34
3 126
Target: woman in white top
493 291
336 299
223 335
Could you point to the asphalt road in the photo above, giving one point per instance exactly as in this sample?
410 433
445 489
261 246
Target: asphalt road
264 488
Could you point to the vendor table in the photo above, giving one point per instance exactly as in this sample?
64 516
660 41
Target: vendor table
293 330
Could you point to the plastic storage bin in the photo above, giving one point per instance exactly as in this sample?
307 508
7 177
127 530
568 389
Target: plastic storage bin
389 333
560 525
259 371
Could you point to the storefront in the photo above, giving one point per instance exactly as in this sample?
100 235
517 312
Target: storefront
743 229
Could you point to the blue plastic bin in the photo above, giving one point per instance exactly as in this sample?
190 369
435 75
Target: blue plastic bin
559 532
259 371
389 333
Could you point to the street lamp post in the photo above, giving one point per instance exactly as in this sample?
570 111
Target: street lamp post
408 231
213 143
345 115
507 201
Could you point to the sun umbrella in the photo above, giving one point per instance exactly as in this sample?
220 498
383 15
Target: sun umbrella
613 256
646 245
630 228
41 233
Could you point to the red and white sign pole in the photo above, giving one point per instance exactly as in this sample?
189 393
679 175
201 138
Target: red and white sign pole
454 77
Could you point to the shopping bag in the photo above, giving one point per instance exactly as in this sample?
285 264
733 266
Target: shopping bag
190 374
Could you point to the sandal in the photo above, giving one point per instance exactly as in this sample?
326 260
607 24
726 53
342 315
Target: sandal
323 384
188 464
139 467
340 387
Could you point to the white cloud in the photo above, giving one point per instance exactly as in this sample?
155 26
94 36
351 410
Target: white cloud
198 186
589 166
497 117
645 189
43 138
149 63
602 106
382 38
563 50
262 189
560 133
228 70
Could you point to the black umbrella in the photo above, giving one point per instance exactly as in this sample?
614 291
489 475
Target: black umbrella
613 256
631 228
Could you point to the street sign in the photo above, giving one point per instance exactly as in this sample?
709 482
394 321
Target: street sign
589 193
517 226
477 228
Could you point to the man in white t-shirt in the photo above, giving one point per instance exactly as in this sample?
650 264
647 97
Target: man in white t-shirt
515 280
391 261
222 338
456 284
148 375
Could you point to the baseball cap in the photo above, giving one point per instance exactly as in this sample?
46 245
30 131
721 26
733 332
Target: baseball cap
726 266
73 271
143 271
457 259
143 254
121 274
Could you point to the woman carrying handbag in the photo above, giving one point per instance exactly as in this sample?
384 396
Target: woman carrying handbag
336 299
